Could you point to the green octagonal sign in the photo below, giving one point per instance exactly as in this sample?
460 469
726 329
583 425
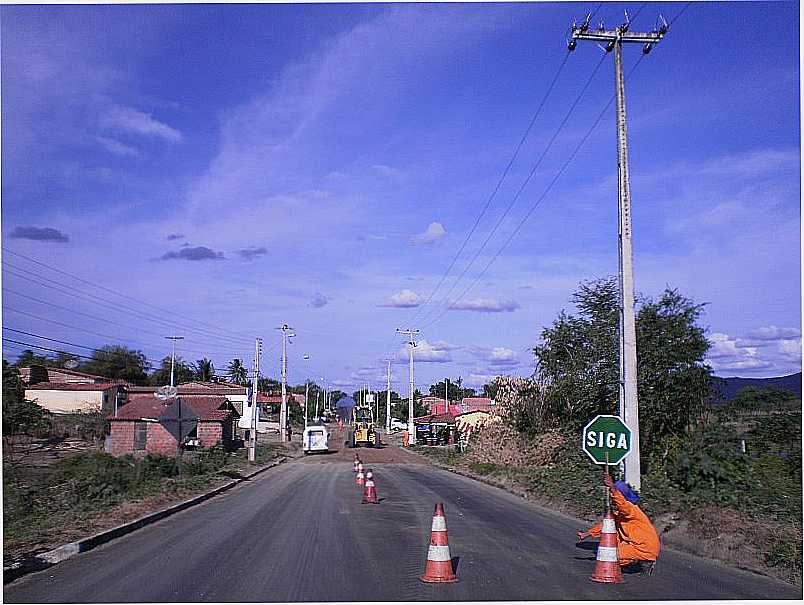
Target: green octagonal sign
606 434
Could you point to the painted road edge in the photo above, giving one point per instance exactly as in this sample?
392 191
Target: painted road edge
56 555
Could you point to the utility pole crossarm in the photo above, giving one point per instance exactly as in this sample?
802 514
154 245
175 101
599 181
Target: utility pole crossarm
612 35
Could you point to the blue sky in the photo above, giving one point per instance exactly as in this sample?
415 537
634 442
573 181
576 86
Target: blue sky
234 168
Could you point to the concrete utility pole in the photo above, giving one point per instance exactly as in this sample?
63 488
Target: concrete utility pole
388 401
629 406
446 395
283 411
306 394
173 354
411 345
252 446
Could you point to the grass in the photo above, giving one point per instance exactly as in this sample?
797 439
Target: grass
78 494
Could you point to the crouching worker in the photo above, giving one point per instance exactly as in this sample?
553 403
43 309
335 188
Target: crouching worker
638 540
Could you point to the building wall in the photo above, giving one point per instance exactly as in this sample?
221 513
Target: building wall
210 433
160 441
66 402
122 434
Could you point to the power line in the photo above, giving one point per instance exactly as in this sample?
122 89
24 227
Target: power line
115 306
498 185
524 184
537 202
116 293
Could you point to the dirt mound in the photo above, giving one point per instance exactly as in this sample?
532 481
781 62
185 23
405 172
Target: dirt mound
500 444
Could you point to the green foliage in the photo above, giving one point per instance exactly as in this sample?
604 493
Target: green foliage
182 372
204 370
118 362
20 416
237 372
579 368
752 400
29 358
455 389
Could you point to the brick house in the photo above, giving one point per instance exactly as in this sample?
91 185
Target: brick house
136 426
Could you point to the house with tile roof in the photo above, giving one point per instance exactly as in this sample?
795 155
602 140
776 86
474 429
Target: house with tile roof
140 426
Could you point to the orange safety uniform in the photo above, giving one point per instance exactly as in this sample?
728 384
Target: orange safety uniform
638 538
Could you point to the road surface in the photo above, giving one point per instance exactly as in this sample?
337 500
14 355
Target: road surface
300 533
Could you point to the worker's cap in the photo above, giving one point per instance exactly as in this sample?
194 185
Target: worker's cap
628 493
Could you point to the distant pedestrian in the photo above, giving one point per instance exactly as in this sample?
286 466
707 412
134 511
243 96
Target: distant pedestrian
638 540
289 432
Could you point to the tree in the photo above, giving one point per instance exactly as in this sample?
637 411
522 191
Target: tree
21 418
29 358
577 362
204 370
237 372
119 363
182 372
455 392
490 389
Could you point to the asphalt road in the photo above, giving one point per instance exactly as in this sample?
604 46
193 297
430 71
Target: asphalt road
300 533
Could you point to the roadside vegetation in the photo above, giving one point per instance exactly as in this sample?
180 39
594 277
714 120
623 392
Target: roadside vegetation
721 479
52 499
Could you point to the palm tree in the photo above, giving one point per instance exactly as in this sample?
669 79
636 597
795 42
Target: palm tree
237 372
204 370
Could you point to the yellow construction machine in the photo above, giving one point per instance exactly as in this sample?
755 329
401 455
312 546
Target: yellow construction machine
363 431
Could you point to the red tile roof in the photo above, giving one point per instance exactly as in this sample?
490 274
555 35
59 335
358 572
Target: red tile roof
208 408
435 418
476 401
198 388
73 386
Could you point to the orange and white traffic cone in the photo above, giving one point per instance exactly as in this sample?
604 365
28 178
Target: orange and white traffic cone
356 462
369 491
360 478
439 562
607 567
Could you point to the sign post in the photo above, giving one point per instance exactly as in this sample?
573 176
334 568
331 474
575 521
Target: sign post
606 440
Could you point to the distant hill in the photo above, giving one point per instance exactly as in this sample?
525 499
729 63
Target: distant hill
728 387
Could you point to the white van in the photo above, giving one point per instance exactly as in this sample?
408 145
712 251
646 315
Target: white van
315 439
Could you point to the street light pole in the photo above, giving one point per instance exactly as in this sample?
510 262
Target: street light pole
411 345
173 354
252 448
388 401
283 411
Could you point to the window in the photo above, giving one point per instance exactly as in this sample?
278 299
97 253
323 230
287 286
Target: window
140 436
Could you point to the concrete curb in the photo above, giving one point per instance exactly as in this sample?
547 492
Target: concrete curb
51 557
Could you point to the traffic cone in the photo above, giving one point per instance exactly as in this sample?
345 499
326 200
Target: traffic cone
357 461
369 491
439 562
607 567
360 478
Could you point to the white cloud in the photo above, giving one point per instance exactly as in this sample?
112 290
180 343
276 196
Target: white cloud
425 352
386 170
128 119
500 356
774 333
727 354
117 147
435 231
791 350
403 300
478 380
485 305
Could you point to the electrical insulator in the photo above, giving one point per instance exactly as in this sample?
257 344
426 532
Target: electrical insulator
610 46
647 48
572 44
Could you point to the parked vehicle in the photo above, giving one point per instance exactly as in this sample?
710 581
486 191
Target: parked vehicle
315 438
398 425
